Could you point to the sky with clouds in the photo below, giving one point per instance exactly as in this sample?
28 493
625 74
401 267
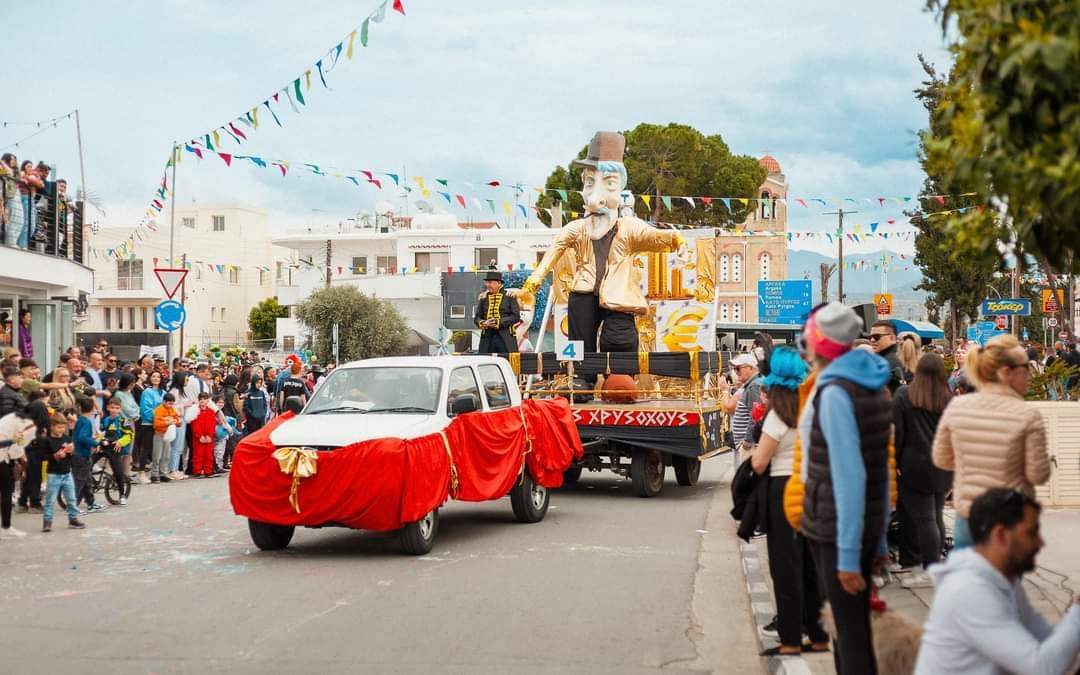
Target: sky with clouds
468 91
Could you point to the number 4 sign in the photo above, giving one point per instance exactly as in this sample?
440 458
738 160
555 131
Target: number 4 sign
573 351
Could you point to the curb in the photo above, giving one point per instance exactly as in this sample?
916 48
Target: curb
761 604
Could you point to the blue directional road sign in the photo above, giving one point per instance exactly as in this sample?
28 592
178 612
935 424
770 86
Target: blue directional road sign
983 331
784 302
170 315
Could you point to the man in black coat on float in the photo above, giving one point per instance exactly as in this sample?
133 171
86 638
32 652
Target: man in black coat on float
496 312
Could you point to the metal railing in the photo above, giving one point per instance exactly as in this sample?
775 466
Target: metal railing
57 225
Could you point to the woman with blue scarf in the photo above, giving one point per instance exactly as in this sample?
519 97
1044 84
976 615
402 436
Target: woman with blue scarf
794 583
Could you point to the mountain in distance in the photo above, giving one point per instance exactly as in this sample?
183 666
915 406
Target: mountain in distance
860 285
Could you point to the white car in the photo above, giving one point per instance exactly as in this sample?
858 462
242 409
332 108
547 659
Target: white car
402 397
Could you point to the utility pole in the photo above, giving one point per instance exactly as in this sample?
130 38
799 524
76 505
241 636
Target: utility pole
1016 285
172 247
183 294
826 270
82 167
329 250
839 213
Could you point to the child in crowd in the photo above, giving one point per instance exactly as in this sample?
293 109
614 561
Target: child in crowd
86 444
203 435
165 415
115 443
30 490
58 449
226 428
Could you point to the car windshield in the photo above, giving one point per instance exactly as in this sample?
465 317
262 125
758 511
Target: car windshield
385 388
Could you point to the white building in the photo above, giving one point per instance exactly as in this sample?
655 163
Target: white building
53 285
230 261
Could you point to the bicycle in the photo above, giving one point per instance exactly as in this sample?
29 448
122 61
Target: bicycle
102 480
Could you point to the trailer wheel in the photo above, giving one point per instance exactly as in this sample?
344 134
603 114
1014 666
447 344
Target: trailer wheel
418 537
687 470
647 472
572 475
270 537
529 499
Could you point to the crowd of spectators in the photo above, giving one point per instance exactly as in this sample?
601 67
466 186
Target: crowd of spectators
31 204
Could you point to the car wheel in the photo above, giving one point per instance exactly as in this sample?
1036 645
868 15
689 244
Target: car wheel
270 537
418 537
687 470
529 499
647 472
573 474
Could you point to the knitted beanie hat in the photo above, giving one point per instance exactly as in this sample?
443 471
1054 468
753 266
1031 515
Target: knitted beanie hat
831 330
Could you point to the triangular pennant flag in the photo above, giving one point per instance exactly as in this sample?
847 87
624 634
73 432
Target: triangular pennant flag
231 135
940 199
394 177
217 139
191 148
318 65
442 181
272 113
299 94
446 195
237 131
348 50
563 195
690 201
363 33
707 201
419 180
209 145
493 183
727 203
376 183
667 201
461 200
803 203
225 157
477 203
398 7
506 208
379 14
491 204
648 201
745 201
524 211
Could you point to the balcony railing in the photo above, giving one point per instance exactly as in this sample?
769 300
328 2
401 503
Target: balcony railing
57 225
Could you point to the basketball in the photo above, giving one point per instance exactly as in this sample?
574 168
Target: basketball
619 389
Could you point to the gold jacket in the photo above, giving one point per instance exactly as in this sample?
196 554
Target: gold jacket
619 291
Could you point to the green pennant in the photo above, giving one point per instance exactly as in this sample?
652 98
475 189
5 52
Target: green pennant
442 181
563 195
491 204
667 202
299 94
209 145
363 33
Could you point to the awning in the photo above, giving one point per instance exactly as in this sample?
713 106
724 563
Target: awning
924 329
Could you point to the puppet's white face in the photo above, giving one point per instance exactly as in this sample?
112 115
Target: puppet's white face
602 192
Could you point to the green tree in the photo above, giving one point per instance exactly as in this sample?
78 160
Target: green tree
952 274
1011 121
261 318
673 160
368 327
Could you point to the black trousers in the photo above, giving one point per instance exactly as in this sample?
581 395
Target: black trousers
7 491
925 510
144 447
907 543
30 489
617 330
116 463
80 472
491 342
798 602
853 649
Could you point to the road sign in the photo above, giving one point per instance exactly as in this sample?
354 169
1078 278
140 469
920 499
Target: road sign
1002 322
1051 322
785 302
170 279
170 315
1024 335
883 302
1050 304
1006 307
983 331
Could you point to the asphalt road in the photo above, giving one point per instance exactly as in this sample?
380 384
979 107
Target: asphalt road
607 582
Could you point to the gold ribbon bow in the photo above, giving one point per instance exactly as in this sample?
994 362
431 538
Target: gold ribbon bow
298 463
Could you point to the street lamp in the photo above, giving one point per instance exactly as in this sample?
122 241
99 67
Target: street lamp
997 293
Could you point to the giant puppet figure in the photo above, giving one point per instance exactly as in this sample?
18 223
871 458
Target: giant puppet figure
604 295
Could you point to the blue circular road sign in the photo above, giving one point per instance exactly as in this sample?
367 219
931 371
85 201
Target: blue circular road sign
170 315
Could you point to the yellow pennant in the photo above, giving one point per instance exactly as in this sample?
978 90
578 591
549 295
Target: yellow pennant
744 201
419 181
255 117
506 208
307 79
647 200
217 139
348 52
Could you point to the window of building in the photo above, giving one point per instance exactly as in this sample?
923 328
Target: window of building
462 383
119 318
143 312
725 266
234 275
198 273
262 277
279 271
484 258
736 312
359 264
725 312
188 221
129 274
765 264
219 223
432 262
108 318
498 396
131 318
213 313
387 264
221 315
765 206
736 267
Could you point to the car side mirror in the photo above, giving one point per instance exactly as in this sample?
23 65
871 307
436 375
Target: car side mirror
294 404
466 403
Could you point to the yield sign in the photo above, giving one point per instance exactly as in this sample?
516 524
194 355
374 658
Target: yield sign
170 279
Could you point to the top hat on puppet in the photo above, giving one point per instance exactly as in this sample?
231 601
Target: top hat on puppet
494 276
605 146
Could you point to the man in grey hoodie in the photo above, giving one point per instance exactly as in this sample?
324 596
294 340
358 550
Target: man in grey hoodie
981 621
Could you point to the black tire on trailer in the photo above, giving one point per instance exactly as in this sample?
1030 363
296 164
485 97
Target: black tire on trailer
647 472
687 470
418 537
270 537
573 474
529 499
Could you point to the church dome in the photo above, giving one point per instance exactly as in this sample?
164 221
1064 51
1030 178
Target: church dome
770 164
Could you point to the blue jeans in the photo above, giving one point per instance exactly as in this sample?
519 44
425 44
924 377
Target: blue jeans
176 451
64 483
16 222
961 534
30 220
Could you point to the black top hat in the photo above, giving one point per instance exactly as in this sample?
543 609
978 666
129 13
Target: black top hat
494 276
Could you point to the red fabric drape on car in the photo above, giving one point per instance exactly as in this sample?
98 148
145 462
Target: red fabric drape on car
384 483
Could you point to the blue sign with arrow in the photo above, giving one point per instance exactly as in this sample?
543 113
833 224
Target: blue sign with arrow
169 315
785 302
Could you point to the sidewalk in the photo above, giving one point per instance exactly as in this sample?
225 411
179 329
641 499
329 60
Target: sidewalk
1051 587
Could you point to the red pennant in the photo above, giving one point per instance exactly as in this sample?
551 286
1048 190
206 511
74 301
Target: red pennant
493 183
707 201
225 157
461 200
282 167
803 203
367 174
398 7
510 267
275 97
376 183
155 262
237 131
198 152
980 208
881 201
339 269
940 199
891 222
449 271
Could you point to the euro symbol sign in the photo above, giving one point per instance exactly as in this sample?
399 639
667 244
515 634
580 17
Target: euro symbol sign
681 329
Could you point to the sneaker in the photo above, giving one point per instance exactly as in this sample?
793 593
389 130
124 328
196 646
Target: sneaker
22 509
153 479
96 507
163 479
143 479
919 579
46 526
11 533
123 501
769 630
76 524
36 508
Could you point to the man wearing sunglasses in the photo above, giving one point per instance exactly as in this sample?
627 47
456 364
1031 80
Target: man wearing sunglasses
740 406
883 340
981 620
